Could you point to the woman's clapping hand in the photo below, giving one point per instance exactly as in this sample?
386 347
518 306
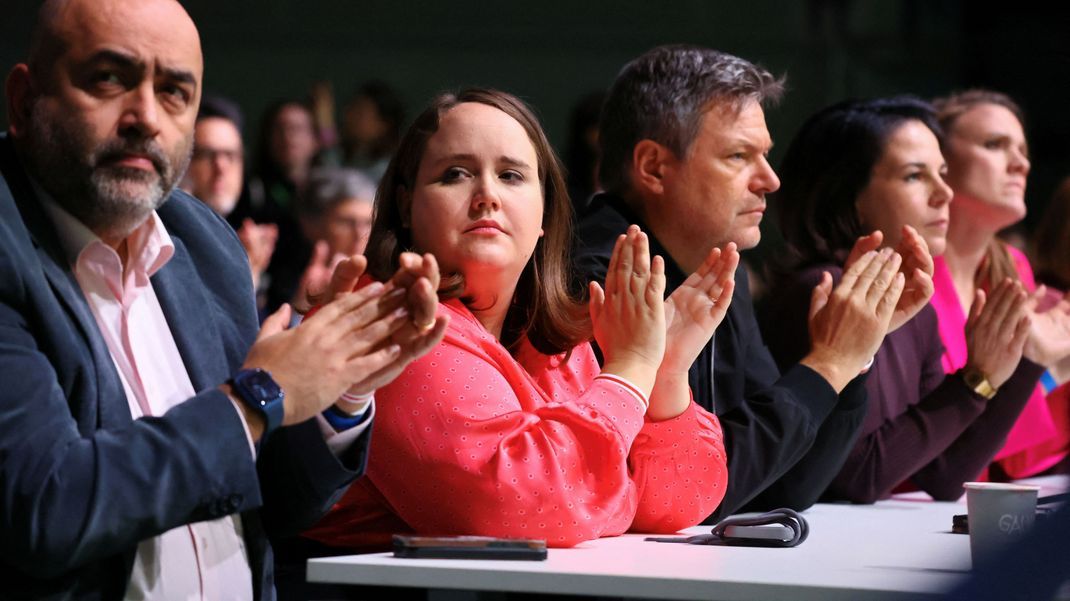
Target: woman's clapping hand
629 314
996 331
1049 335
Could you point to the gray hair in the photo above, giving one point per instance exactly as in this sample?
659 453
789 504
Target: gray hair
662 95
328 186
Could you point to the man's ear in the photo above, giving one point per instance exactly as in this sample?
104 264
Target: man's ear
650 162
19 89
405 207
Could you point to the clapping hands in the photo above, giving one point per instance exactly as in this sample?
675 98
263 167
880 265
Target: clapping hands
416 284
917 267
848 323
649 340
359 340
695 309
628 316
259 243
997 328
1049 334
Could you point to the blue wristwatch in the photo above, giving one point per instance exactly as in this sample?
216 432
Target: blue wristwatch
258 390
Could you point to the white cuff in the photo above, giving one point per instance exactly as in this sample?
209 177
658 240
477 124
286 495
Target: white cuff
627 385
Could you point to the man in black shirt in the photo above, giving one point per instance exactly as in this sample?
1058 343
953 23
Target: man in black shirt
684 155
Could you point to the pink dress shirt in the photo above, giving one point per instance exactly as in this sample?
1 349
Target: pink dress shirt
472 440
205 560
1038 440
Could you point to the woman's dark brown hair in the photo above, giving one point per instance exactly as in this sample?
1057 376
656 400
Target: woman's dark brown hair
997 264
827 166
543 309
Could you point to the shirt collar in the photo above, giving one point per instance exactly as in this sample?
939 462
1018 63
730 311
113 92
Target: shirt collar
149 246
607 202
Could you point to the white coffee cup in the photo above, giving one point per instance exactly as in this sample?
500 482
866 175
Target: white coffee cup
999 513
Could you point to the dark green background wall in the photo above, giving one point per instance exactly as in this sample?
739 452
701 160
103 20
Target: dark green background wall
553 51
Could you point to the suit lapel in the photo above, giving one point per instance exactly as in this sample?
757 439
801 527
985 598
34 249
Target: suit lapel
110 404
186 305
112 407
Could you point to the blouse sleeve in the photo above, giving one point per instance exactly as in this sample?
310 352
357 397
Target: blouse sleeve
679 469
467 444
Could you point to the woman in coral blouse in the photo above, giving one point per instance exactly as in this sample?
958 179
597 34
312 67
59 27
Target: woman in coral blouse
509 427
988 161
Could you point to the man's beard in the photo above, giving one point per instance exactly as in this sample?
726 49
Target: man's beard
111 200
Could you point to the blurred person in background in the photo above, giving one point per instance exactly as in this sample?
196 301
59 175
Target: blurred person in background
1051 256
215 176
216 169
285 152
1051 241
581 154
335 212
988 162
370 127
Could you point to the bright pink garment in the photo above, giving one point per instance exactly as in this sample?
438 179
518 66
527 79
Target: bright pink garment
1037 440
470 440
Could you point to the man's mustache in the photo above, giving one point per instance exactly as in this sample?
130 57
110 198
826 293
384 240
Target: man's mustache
115 150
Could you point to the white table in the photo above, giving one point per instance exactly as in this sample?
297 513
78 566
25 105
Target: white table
896 549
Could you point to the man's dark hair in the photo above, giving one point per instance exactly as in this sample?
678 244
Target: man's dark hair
662 96
221 108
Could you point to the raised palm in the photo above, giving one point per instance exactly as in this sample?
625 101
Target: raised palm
1049 334
695 309
917 267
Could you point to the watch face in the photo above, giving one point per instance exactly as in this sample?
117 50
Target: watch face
972 378
262 387
978 383
258 391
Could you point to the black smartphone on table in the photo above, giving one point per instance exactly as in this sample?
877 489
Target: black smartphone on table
469 547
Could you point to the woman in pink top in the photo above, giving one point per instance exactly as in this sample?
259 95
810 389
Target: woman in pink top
509 427
988 161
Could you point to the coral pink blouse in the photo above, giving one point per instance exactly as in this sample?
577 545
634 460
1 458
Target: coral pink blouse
470 440
1038 440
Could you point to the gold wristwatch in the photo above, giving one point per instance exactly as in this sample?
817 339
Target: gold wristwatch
978 382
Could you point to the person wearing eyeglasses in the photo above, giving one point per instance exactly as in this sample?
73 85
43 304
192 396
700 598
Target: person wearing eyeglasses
215 176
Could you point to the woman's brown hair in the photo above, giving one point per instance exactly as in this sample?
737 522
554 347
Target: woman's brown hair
542 309
997 264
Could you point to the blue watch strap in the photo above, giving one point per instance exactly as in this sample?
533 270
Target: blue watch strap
342 421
